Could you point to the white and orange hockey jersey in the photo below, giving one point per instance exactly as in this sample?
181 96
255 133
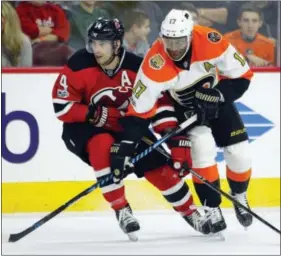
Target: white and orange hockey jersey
212 58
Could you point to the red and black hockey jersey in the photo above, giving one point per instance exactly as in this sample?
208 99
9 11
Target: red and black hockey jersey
82 81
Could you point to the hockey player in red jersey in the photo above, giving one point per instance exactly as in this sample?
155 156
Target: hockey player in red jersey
89 97
202 73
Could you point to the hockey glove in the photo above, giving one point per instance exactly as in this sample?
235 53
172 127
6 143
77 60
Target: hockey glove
207 101
106 117
120 154
180 154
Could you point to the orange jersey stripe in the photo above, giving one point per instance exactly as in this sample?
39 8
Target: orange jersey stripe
211 174
131 112
248 75
240 177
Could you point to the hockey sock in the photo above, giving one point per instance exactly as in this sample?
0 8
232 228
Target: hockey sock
206 195
174 189
238 182
98 149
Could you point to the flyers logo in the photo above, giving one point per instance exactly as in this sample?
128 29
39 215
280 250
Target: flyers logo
156 61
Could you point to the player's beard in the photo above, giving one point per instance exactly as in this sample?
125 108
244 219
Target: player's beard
106 61
176 55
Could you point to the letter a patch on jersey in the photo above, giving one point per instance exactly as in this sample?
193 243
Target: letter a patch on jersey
156 61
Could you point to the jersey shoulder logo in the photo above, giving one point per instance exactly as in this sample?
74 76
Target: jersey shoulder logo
214 37
156 61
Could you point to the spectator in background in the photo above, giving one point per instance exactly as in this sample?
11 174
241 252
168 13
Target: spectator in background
43 21
209 13
191 9
137 28
116 8
222 15
156 16
213 14
16 46
271 19
80 17
258 50
47 26
150 8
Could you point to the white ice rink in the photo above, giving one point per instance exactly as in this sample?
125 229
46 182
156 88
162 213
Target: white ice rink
162 233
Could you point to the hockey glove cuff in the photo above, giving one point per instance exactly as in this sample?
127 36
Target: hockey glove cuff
180 154
120 154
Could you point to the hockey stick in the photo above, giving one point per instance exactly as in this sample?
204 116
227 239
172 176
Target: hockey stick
17 236
218 190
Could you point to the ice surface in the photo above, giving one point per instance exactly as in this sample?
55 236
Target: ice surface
162 233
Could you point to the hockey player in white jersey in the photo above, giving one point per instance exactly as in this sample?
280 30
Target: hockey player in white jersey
202 73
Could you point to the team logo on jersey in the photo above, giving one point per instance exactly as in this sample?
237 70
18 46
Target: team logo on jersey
214 37
113 96
185 95
156 61
256 126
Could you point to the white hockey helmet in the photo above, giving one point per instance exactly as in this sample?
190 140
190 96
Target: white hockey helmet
176 32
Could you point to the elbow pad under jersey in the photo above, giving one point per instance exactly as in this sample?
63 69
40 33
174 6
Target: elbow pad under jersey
233 89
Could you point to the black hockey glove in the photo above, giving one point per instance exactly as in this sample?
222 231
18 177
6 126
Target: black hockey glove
120 154
207 102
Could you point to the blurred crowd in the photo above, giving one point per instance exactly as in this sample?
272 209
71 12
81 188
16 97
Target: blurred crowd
47 33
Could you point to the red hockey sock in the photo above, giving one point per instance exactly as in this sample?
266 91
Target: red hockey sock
98 148
173 188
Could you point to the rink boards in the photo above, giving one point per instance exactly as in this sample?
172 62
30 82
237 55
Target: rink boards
38 174
47 196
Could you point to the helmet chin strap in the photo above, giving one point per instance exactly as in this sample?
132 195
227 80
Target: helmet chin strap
110 60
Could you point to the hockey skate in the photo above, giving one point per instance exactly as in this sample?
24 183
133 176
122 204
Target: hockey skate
244 218
127 222
216 221
216 218
198 222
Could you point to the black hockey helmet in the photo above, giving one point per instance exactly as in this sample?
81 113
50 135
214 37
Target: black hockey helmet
105 29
